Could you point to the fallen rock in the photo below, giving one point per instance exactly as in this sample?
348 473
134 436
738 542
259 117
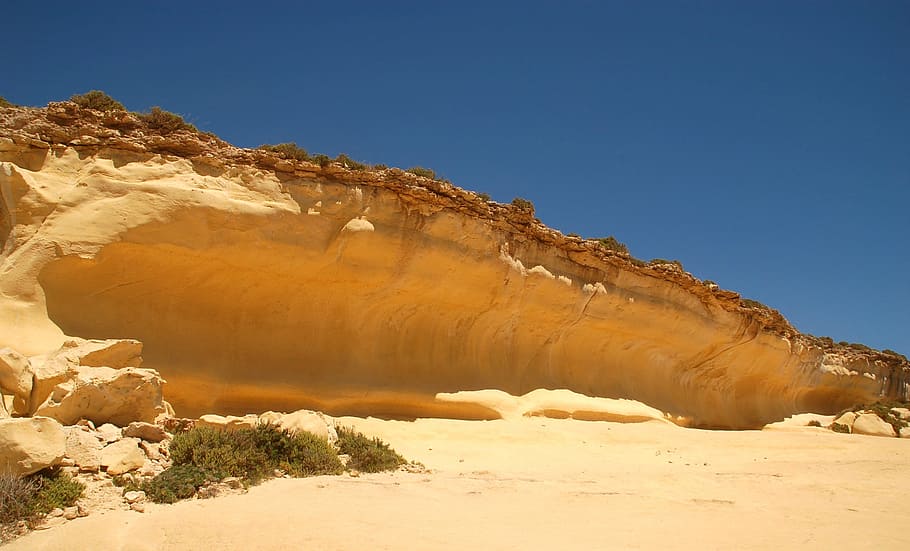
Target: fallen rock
231 422
846 418
15 381
152 450
116 353
29 444
139 507
872 425
145 431
109 432
71 513
104 394
122 456
902 413
905 432
309 421
83 448
134 496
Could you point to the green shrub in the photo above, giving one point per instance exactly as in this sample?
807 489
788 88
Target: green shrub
253 454
612 244
380 166
840 427
288 150
176 482
420 171
485 197
5 103
893 353
30 497
370 455
321 160
749 303
97 100
57 489
815 423
523 204
350 163
883 410
165 122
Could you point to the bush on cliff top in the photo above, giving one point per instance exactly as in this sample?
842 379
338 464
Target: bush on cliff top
5 103
612 244
165 121
289 150
97 100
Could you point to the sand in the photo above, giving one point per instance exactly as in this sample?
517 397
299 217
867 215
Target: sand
539 483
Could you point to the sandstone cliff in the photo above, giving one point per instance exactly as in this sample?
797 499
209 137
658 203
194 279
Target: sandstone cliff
257 282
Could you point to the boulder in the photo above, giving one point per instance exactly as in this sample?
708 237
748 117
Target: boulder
145 431
872 425
108 433
905 432
902 413
84 448
29 444
122 456
231 422
116 353
106 395
15 382
846 419
309 421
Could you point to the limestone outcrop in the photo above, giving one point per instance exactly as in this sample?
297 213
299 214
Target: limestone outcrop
259 282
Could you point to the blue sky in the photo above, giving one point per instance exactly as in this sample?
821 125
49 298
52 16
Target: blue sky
766 145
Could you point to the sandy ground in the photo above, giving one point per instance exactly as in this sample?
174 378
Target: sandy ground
553 484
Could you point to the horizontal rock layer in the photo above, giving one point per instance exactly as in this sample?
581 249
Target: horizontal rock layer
260 283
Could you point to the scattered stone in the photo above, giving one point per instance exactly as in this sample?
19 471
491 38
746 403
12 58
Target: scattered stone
83 448
28 445
122 457
902 413
872 425
86 423
233 482
152 450
139 507
109 433
905 432
134 496
145 431
51 522
71 512
309 421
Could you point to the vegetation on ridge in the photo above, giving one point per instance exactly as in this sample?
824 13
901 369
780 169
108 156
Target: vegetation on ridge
165 121
370 455
97 100
5 103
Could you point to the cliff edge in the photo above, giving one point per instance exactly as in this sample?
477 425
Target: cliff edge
256 281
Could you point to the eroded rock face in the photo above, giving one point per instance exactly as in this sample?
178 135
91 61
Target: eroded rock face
259 283
28 445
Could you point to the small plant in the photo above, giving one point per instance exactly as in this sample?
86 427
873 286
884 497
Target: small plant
380 166
657 261
97 100
175 483
420 171
5 103
254 454
288 150
814 423
349 163
321 160
485 197
29 498
893 353
840 427
165 122
370 455
749 303
523 204
612 244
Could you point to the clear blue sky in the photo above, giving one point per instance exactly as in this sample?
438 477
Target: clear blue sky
765 144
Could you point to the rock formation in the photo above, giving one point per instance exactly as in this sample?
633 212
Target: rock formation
259 282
